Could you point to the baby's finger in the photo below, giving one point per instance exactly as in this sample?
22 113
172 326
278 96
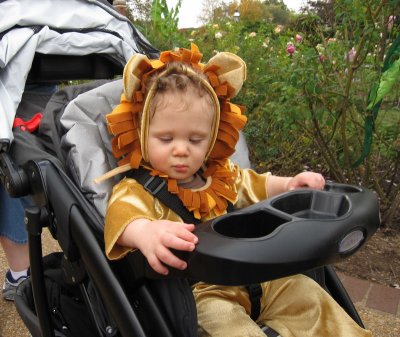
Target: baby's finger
166 256
175 241
187 235
184 231
157 266
319 182
189 227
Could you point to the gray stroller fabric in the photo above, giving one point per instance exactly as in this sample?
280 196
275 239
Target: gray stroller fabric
86 143
58 27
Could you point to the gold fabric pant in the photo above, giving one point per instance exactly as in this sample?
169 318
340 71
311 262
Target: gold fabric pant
292 306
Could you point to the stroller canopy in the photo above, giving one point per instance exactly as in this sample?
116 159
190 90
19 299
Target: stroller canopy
57 27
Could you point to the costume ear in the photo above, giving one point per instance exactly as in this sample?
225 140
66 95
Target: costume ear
133 73
231 71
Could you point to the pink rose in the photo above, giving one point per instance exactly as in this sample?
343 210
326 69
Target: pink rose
298 38
290 49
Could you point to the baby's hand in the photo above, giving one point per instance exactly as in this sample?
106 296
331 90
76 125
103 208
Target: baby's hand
155 239
306 179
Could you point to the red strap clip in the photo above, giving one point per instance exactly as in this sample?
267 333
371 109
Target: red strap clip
30 125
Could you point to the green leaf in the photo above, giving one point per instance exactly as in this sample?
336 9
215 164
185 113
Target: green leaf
372 93
388 79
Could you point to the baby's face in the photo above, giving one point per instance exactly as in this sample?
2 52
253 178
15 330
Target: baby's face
179 135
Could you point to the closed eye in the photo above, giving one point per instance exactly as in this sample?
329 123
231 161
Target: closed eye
196 140
165 139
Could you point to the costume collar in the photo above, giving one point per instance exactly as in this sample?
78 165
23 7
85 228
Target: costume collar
212 198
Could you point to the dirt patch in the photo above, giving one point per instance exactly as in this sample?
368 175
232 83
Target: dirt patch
378 260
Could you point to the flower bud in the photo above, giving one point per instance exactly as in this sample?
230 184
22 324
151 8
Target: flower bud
290 49
351 55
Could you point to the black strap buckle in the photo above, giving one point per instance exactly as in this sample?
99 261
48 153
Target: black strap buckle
154 185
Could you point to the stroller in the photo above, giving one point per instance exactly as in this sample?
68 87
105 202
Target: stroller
57 163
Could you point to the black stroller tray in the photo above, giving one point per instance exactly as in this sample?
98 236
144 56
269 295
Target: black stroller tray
285 235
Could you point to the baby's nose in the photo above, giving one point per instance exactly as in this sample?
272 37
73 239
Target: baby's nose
181 149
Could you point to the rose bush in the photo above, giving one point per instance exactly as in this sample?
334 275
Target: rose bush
311 93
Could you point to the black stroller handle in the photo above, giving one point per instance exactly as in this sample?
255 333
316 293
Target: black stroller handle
285 235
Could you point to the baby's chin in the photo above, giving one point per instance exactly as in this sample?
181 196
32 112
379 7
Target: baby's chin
184 180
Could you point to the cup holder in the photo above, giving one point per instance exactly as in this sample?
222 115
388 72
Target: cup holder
342 188
251 225
313 205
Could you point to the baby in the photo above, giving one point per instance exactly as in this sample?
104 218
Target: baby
176 120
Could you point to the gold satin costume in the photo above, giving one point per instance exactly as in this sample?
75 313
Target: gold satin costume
293 306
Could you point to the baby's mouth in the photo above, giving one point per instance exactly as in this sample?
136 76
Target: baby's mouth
180 168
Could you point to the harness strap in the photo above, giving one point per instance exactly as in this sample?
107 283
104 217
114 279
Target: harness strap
255 293
157 186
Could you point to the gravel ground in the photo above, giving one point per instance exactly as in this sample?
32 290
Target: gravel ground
381 324
10 323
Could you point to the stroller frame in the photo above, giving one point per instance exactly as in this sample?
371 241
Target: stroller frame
88 248
75 224
89 251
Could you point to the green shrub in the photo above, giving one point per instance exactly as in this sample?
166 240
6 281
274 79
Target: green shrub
316 108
